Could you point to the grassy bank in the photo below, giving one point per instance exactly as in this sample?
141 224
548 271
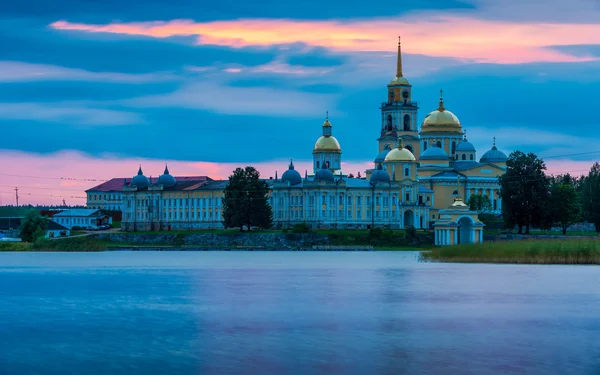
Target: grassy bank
568 251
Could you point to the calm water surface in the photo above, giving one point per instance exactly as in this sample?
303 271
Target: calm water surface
293 313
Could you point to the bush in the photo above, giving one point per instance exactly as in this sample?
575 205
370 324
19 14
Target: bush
301 228
284 230
376 233
76 227
411 232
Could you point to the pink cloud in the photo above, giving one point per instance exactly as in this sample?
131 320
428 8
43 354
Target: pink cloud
455 36
48 179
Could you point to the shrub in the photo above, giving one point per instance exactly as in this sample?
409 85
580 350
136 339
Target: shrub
411 232
301 228
76 227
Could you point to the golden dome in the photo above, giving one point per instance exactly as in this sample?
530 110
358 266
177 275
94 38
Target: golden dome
399 154
399 81
327 144
441 120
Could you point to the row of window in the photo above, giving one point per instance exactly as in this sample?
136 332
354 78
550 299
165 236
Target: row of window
312 214
105 197
384 200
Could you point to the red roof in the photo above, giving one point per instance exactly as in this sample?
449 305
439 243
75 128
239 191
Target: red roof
116 184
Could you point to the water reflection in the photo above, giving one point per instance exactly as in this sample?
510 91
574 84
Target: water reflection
292 313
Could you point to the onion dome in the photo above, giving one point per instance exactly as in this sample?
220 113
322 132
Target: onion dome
379 175
399 154
291 175
399 79
166 179
140 181
327 142
434 153
381 156
494 155
441 120
324 174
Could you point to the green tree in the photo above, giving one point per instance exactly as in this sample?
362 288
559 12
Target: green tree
481 203
590 191
523 188
245 201
566 206
33 226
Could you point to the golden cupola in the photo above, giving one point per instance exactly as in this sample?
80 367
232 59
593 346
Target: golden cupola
441 120
399 154
327 142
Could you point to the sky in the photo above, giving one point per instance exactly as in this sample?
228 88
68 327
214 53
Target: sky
90 89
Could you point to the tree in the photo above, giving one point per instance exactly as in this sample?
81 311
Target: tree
523 188
481 203
245 201
566 207
590 189
33 226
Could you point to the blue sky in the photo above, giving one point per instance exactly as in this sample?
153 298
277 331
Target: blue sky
239 82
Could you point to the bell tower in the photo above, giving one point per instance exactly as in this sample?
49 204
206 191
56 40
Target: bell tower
399 112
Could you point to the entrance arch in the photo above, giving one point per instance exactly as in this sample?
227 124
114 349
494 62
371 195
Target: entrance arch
465 230
408 219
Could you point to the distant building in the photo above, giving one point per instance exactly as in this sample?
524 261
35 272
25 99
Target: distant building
82 217
9 227
108 195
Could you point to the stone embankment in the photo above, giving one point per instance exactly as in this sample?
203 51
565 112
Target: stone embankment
221 241
517 237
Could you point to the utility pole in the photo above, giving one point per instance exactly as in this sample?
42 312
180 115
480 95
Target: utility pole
17 195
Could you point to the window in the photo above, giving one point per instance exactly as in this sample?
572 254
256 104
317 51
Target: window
439 144
389 126
341 200
464 157
358 216
324 213
323 201
394 200
420 199
406 123
349 200
472 157
407 197
409 148
453 148
368 201
358 200
318 164
377 200
406 172
424 145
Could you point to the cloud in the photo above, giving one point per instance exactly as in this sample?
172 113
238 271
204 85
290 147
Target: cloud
220 98
67 174
67 113
12 71
456 36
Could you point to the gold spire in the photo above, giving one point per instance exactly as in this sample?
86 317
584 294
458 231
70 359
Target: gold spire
441 107
400 143
399 63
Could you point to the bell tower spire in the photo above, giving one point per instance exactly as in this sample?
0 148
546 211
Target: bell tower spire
399 62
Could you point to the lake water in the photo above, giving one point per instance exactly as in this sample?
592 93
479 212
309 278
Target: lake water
293 313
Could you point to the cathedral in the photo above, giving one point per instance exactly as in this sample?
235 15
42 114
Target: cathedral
420 176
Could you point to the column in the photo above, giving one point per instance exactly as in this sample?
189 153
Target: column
447 236
480 235
456 236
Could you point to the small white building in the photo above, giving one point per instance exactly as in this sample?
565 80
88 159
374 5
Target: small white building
82 217
9 228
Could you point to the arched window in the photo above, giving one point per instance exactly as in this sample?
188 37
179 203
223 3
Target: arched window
326 164
453 148
455 192
409 148
439 144
464 157
424 145
472 157
406 172
389 123
318 164
406 123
